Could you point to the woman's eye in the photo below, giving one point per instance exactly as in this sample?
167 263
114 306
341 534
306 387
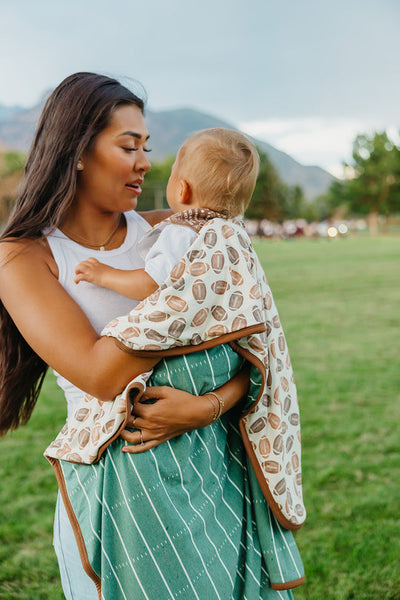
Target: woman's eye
136 149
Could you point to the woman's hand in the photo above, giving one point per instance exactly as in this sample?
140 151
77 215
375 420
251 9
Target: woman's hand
177 412
174 413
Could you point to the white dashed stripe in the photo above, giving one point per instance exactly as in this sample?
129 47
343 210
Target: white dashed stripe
139 529
95 533
162 525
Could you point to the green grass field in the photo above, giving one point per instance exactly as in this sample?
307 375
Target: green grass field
339 304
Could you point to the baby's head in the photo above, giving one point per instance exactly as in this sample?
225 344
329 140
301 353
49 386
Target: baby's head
220 169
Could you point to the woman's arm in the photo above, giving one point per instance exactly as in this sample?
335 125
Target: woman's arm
58 331
177 412
56 327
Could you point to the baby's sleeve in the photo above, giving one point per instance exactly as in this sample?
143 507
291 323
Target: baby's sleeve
172 243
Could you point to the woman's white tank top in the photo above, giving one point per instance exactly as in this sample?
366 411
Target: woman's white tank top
99 304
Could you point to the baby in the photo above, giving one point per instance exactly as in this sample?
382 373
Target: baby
214 175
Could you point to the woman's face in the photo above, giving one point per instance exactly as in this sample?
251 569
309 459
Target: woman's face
115 165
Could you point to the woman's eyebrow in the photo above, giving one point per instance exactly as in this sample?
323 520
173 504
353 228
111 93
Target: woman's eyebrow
133 134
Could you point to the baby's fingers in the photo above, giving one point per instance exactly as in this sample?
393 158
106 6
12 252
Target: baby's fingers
79 277
86 264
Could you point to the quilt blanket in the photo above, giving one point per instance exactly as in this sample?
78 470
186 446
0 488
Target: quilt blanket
216 294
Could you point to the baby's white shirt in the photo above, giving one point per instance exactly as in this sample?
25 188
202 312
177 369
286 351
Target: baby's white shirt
172 243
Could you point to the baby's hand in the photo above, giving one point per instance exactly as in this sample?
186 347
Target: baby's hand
90 270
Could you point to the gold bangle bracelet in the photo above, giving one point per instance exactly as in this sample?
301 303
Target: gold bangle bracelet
217 411
214 407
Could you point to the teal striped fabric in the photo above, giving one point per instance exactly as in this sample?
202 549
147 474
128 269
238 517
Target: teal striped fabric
186 519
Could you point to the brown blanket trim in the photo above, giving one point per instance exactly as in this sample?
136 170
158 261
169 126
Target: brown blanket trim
177 350
75 525
249 449
230 338
128 409
255 464
288 585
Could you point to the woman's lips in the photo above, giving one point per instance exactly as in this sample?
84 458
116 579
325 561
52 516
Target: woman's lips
135 187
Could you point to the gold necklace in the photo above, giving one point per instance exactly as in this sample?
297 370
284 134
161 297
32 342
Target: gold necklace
77 238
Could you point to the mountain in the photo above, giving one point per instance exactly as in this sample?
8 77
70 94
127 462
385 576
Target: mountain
171 127
168 130
17 130
6 112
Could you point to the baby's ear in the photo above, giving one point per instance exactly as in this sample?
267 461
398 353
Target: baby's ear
185 192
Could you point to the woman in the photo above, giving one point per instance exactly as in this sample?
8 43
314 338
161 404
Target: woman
83 177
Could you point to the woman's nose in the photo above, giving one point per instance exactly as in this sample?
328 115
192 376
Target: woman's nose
142 162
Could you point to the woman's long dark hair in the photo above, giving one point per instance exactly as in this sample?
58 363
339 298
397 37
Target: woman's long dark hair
74 114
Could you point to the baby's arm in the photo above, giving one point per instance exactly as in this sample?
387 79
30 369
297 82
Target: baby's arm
135 284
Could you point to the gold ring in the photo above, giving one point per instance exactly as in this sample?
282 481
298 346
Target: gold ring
134 421
141 437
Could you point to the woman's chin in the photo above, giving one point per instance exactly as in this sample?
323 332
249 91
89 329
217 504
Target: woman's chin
130 204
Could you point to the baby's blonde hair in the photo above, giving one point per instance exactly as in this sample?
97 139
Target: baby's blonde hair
221 166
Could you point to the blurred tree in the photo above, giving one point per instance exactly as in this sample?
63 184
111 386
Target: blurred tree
12 162
155 185
268 201
375 188
11 171
374 185
319 209
335 201
295 205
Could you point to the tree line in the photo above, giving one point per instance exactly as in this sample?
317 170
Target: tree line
272 199
371 186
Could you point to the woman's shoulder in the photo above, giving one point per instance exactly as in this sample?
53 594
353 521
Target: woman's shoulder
14 251
152 217
15 247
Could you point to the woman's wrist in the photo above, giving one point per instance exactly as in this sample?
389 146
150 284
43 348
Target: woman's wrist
217 405
213 408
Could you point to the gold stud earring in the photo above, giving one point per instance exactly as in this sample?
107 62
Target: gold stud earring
79 166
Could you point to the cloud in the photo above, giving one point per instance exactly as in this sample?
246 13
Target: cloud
326 142
313 74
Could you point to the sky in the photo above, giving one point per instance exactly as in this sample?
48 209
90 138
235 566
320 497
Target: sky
306 76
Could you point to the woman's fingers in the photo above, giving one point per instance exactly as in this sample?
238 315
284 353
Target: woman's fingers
170 416
133 437
139 448
154 393
138 441
135 422
140 409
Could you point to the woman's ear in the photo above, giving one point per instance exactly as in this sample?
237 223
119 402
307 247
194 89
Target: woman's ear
185 192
